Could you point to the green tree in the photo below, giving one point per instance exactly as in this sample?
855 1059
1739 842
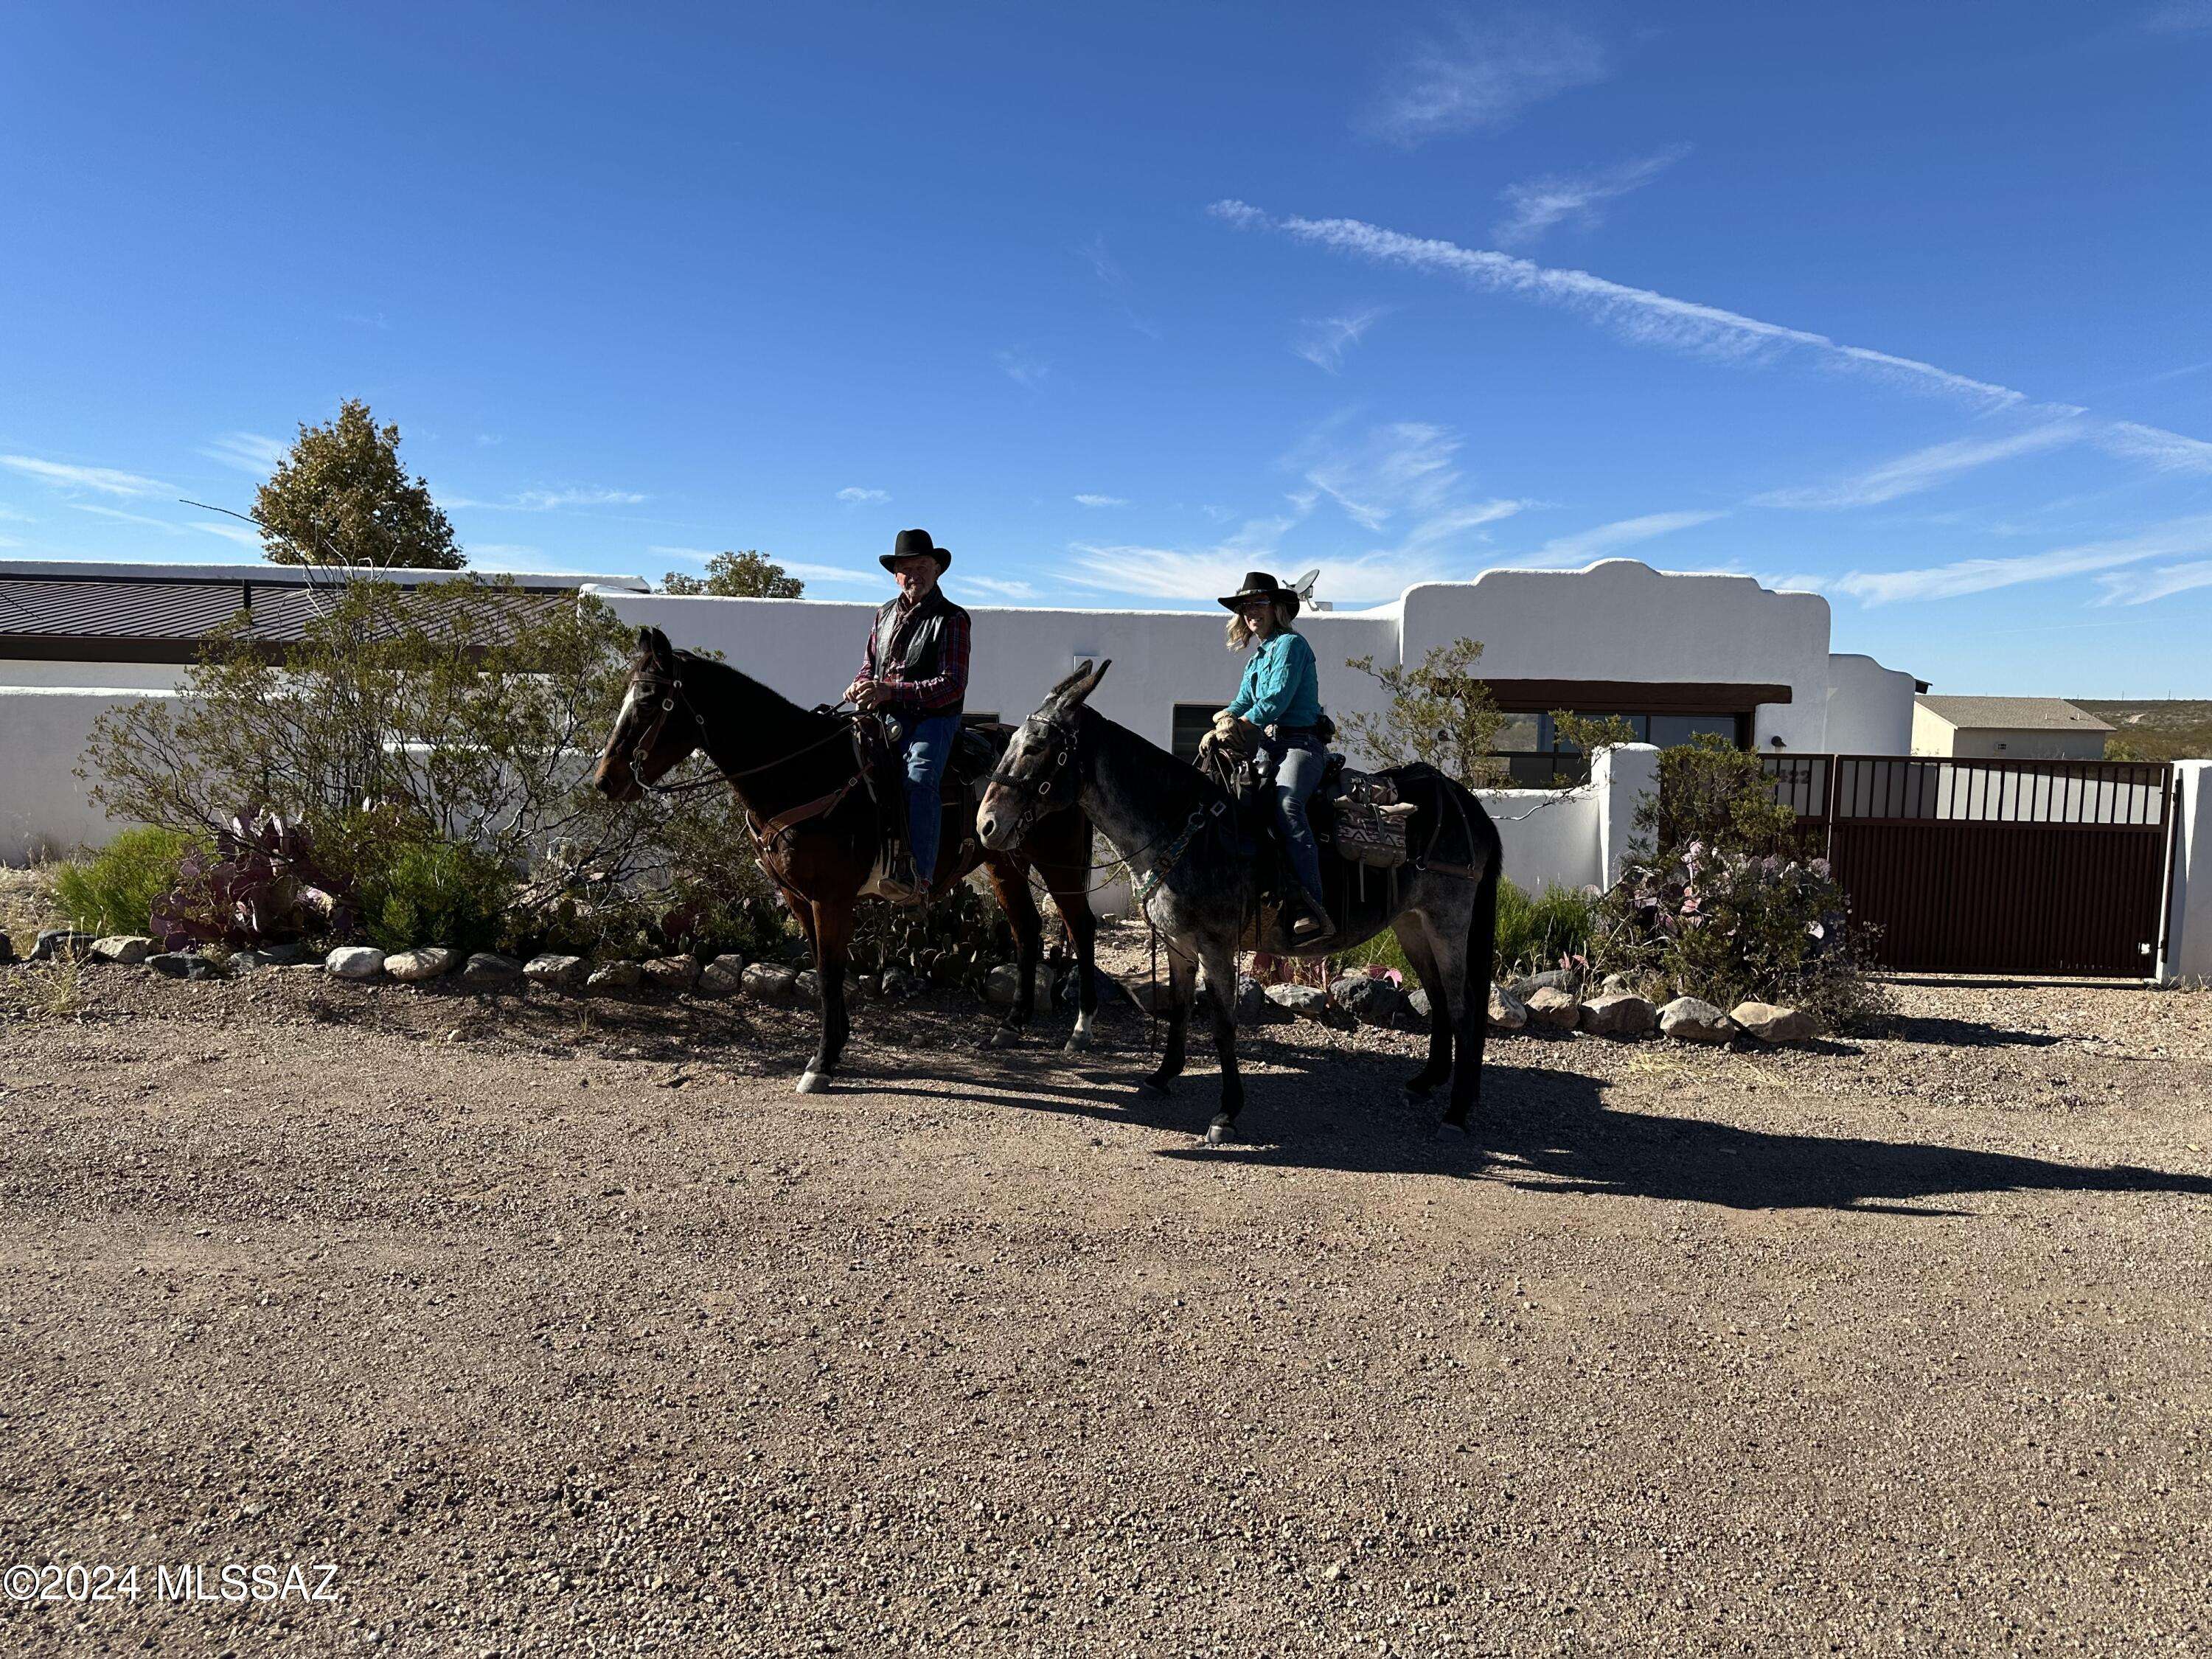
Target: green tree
1438 712
1590 732
341 497
746 575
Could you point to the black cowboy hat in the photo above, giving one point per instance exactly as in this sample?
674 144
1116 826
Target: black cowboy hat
1259 584
913 544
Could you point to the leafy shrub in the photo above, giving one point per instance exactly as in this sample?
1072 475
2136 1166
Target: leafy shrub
1438 712
437 893
1716 904
460 716
113 890
1541 932
1736 927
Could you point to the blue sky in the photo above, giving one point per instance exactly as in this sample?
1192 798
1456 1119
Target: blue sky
1905 303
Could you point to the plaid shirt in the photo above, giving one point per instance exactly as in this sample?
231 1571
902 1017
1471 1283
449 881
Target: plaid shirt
948 686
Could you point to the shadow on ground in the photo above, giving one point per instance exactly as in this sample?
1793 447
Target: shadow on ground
1537 1129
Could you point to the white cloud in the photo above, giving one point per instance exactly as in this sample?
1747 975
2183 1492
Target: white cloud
855 494
13 517
1024 368
489 441
1482 74
2141 586
2169 452
161 524
1540 203
1924 469
2176 538
1108 271
1100 501
2180 17
1596 543
549 501
1647 318
1325 341
1639 314
1005 589
105 479
242 534
249 451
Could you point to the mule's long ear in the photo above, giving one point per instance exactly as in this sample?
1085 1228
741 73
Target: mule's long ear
654 644
1087 679
1067 681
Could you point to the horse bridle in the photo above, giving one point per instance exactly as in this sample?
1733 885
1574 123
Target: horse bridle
1036 793
642 749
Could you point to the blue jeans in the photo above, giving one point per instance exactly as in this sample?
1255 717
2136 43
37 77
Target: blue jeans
928 746
1298 765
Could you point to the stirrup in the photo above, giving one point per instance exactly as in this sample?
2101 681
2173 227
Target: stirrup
1312 922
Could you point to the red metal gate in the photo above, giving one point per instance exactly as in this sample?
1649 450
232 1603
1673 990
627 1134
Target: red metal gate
1994 866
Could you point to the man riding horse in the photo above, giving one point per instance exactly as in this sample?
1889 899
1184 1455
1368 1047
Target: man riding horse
915 675
1280 697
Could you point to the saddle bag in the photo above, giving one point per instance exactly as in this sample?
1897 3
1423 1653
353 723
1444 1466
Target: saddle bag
1370 834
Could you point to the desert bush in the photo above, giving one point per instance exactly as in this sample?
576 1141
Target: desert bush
1551 929
1716 902
461 714
1438 712
113 890
436 892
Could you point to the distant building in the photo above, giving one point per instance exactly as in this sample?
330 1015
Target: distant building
2006 728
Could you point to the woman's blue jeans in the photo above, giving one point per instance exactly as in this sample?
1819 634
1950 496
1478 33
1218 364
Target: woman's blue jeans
1299 764
928 746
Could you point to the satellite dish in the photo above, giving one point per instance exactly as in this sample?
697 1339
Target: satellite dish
1303 587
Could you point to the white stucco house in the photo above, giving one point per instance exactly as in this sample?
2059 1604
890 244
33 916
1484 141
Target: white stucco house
1675 654
2006 728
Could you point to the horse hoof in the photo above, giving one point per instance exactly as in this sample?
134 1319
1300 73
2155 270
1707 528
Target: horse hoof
1219 1131
1448 1130
1005 1037
1153 1086
1417 1088
1078 1044
814 1082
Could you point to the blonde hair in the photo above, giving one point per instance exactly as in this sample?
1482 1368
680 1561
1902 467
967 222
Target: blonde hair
1240 631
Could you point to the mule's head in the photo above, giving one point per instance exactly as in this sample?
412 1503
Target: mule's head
1040 773
656 727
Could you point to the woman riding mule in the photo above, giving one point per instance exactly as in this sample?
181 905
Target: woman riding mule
1280 695
1199 886
795 772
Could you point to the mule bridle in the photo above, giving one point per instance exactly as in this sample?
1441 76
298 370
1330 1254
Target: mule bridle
1036 793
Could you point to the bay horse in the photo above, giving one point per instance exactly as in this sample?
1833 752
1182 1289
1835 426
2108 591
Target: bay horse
795 772
1200 885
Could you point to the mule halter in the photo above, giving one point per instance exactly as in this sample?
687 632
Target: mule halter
1038 792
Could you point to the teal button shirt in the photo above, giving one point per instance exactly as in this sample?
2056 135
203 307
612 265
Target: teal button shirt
1282 684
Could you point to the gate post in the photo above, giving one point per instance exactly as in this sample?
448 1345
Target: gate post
2187 941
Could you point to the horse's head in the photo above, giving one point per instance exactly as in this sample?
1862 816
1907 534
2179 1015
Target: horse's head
657 727
1040 772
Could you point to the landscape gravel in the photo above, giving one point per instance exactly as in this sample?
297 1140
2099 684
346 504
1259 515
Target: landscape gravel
565 1327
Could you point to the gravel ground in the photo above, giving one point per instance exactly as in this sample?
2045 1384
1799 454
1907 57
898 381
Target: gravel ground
568 1328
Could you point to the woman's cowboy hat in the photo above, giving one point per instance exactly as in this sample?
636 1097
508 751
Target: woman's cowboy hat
1259 584
915 543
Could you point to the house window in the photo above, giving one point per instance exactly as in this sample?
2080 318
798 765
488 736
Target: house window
1192 721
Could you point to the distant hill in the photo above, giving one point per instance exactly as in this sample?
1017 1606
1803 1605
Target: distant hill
2179 729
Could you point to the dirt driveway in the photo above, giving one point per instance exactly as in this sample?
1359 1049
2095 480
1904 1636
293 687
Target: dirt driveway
558 1331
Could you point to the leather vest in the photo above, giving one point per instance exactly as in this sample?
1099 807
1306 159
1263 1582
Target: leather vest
921 648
